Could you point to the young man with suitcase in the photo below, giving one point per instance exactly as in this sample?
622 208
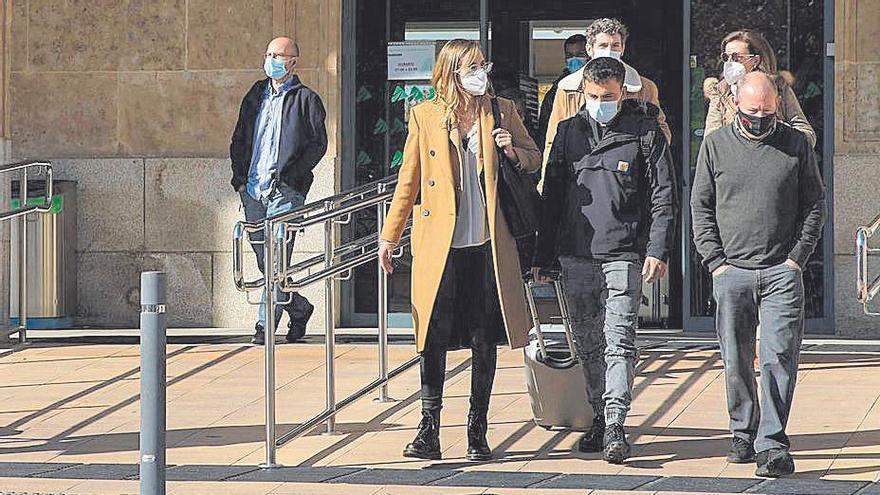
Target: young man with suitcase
609 214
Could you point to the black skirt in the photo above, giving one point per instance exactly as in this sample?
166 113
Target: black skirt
466 309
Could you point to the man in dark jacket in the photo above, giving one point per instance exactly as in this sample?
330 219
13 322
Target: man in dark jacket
609 215
278 140
758 206
575 51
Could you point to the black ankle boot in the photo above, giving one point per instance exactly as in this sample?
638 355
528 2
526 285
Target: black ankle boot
478 447
427 442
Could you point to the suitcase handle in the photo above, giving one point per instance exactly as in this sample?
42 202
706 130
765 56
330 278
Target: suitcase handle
564 316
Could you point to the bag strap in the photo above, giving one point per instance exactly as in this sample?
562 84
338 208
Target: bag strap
496 113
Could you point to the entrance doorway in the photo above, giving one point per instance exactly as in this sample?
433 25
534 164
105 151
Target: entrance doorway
672 42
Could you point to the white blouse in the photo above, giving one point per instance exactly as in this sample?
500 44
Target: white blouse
471 226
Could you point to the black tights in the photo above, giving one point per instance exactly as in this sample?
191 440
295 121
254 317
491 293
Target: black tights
433 367
466 315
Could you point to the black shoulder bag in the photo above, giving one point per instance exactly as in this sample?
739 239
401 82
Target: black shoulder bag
519 201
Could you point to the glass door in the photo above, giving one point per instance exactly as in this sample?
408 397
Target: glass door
375 116
797 31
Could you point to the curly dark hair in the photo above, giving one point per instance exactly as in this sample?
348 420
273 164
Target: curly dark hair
604 69
607 26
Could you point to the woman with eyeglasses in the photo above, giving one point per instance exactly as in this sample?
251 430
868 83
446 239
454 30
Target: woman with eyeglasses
743 52
467 289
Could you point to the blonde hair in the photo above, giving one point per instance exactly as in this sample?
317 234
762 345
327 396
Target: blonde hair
455 55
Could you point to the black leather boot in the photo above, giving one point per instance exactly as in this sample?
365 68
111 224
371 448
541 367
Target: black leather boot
427 442
478 447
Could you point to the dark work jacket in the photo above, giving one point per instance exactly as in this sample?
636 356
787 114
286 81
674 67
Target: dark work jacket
612 198
303 139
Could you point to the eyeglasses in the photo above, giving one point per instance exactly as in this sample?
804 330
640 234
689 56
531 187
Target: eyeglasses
486 66
737 57
279 56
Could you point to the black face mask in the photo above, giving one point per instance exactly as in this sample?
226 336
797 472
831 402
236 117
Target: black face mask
756 126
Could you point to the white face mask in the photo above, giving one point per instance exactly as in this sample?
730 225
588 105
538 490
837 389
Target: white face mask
476 82
607 52
734 72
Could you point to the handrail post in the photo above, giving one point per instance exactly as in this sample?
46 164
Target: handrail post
382 309
269 337
329 324
22 262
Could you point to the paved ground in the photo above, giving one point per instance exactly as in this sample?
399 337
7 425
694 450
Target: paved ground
69 417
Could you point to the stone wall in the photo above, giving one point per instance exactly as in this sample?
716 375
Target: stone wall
136 101
857 145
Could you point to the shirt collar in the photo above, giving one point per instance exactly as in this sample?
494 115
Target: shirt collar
284 87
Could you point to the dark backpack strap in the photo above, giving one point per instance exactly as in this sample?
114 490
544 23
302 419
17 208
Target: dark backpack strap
496 113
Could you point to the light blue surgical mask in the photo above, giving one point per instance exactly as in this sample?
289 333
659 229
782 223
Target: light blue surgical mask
575 63
602 111
276 69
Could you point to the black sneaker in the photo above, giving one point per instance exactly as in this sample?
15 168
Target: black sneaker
297 329
774 463
594 440
616 449
741 451
259 337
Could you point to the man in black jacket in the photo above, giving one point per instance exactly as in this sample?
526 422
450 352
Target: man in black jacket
609 215
758 206
575 51
278 140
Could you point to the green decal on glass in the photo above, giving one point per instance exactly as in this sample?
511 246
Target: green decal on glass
364 94
380 127
812 90
398 127
416 95
397 159
363 159
55 208
399 94
431 93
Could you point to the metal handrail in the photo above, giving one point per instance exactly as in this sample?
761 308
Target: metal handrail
21 212
334 264
866 291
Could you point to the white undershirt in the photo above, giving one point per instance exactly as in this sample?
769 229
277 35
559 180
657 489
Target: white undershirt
471 227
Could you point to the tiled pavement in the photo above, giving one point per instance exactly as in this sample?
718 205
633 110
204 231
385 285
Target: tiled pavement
69 424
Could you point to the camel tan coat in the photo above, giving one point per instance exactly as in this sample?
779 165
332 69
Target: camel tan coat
430 171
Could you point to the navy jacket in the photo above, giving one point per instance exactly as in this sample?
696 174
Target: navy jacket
609 198
303 136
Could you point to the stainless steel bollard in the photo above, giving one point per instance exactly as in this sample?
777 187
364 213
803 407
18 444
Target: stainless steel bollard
152 436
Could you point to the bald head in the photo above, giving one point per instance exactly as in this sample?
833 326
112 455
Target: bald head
283 46
756 94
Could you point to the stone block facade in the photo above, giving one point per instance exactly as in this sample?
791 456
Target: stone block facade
136 101
857 145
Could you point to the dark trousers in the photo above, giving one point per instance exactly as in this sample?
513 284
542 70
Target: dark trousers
466 314
775 298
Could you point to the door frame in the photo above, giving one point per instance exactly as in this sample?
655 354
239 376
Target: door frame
816 326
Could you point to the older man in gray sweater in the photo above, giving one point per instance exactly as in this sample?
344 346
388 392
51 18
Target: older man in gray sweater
758 206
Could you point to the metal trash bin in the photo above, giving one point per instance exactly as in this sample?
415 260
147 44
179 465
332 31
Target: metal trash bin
51 257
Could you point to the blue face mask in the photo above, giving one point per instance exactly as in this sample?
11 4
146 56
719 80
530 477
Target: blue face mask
275 68
575 63
602 111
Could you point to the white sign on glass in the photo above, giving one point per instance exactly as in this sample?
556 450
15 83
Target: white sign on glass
410 60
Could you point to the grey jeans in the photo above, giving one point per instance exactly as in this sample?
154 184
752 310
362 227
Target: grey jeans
603 299
775 298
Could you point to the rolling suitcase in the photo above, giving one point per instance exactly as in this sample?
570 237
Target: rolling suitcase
554 377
